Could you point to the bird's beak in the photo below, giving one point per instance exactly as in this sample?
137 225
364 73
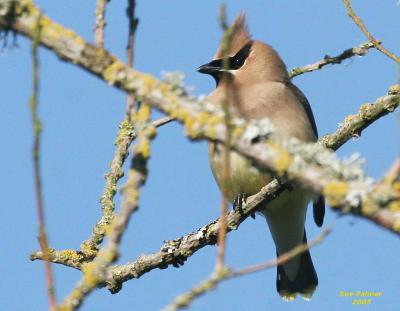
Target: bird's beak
211 68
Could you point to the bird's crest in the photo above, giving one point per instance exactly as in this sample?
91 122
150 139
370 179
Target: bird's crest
240 36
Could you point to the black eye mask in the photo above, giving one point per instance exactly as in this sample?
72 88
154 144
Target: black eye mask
216 67
237 61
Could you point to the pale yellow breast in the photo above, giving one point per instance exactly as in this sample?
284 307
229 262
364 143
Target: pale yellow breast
272 100
244 178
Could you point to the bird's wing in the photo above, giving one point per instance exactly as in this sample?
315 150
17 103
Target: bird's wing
319 203
306 105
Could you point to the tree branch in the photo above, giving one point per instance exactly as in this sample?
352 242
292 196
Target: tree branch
100 23
370 37
183 301
360 50
133 22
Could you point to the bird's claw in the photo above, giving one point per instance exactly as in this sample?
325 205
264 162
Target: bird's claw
179 261
238 203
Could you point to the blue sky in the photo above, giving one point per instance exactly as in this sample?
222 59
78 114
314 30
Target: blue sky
80 114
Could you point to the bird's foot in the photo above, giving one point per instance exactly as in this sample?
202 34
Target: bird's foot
179 261
238 204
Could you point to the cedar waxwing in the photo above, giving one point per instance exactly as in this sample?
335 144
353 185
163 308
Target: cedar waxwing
261 88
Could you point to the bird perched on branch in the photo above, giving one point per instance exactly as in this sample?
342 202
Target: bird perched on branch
254 79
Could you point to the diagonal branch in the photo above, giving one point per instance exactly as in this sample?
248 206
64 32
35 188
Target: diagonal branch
360 50
296 161
183 301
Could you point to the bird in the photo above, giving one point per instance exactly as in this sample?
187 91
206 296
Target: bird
258 80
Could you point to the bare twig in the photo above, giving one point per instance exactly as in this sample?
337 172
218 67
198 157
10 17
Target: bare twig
37 132
394 172
370 37
100 24
183 301
133 23
360 50
162 121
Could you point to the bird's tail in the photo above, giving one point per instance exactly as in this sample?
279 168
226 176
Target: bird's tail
304 283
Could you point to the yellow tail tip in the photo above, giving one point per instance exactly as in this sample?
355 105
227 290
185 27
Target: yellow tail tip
306 294
288 296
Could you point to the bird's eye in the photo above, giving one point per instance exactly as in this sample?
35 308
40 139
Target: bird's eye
237 61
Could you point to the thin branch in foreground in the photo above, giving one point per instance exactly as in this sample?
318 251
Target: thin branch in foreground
284 257
37 133
393 174
370 37
225 42
360 50
162 121
183 301
95 272
100 24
